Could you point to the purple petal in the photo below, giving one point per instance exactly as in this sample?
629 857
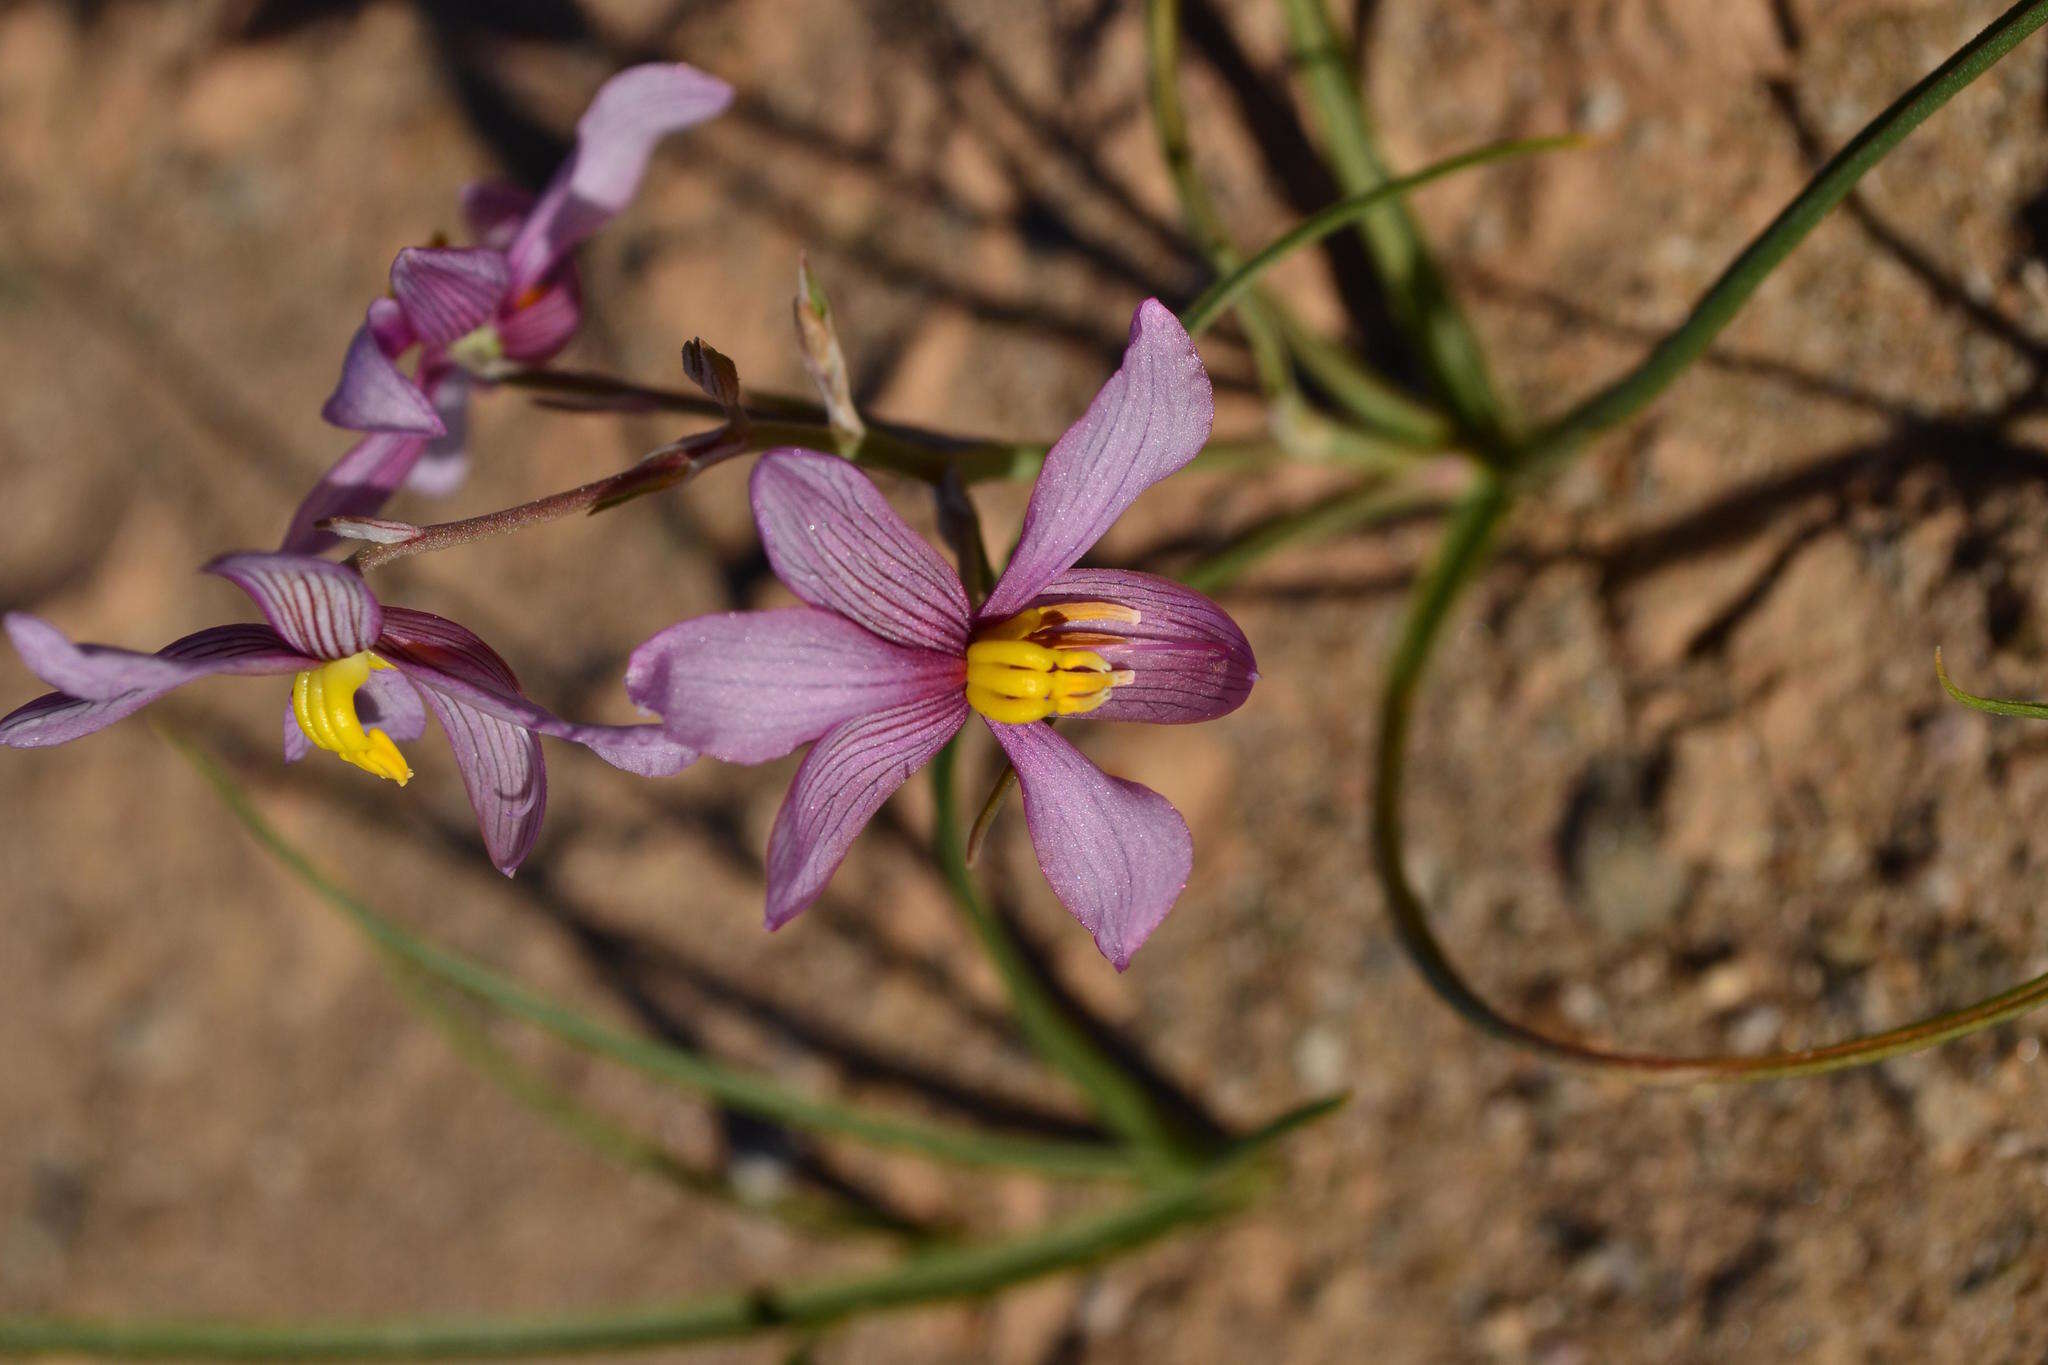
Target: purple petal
444 463
385 702
100 684
359 484
1192 662
1115 853
503 772
449 660
374 396
750 686
634 110
448 292
296 745
542 322
387 323
842 782
837 543
494 209
1149 420
320 608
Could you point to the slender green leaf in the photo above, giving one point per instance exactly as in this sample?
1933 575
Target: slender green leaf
1459 557
1670 358
949 1273
1374 400
1367 504
1120 1099
1169 120
1204 311
1420 300
2029 710
737 1089
604 1135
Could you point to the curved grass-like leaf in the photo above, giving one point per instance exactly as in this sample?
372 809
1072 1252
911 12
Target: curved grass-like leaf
1629 394
930 1278
1419 298
735 1089
1459 557
1199 315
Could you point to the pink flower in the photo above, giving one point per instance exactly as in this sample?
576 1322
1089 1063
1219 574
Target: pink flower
511 298
883 666
367 675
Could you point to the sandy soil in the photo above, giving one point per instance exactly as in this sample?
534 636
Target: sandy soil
1684 779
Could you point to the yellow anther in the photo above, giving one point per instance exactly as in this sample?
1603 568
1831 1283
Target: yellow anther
1085 684
1004 681
1031 620
1012 654
1075 694
1008 710
324 703
1016 681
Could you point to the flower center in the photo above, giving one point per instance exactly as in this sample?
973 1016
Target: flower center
1026 668
324 702
481 352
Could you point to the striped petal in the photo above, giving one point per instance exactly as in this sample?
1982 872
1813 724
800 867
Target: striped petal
631 113
321 609
838 544
503 772
1149 420
99 684
1115 853
448 292
842 782
449 660
750 686
542 324
1189 660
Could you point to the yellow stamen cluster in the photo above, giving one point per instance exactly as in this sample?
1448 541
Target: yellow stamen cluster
324 701
1025 669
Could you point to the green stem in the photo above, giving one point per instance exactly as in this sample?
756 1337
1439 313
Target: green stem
911 451
951 1274
779 419
1169 120
991 806
1557 440
1204 311
1118 1098
735 1089
1366 504
2027 710
960 527
1384 408
1417 295
1219 1190
1463 550
600 1133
